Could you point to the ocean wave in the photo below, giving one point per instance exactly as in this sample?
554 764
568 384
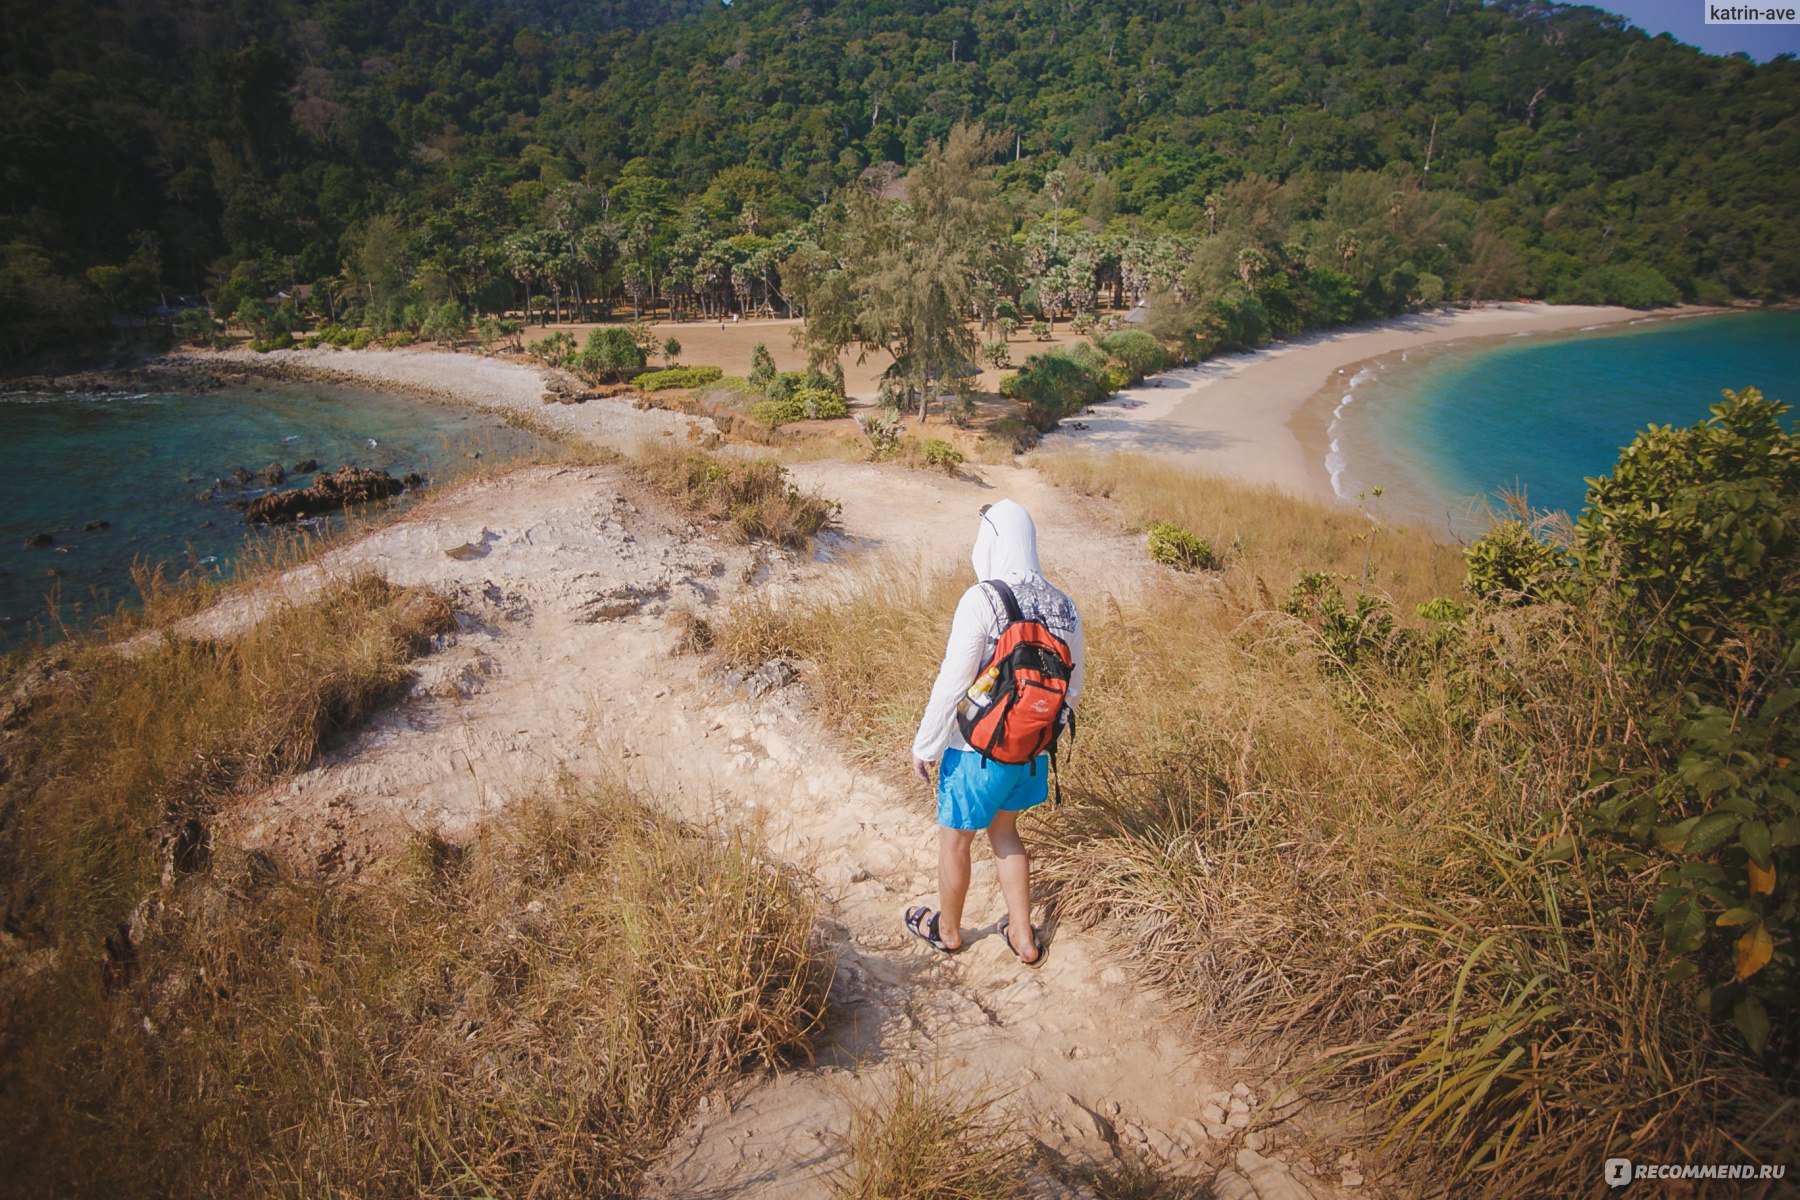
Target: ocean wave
1334 459
78 398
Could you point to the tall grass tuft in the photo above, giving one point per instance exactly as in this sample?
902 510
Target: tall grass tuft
1370 858
921 1138
753 496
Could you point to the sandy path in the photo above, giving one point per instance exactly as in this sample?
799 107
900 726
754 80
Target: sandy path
1262 416
563 665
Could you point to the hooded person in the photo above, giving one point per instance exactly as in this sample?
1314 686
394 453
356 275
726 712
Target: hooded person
976 793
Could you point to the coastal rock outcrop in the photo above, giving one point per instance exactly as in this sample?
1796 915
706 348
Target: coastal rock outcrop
329 492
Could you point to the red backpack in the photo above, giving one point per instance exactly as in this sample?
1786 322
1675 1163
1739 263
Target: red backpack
1019 703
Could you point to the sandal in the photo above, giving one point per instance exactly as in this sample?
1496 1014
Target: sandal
1037 937
927 931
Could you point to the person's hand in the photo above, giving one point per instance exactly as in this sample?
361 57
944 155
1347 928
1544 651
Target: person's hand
921 768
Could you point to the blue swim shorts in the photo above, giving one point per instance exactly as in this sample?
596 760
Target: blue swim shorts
970 792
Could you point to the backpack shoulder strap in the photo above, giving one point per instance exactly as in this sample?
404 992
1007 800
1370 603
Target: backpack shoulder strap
1013 612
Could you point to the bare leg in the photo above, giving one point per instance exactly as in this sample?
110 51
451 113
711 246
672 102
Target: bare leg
1015 881
953 882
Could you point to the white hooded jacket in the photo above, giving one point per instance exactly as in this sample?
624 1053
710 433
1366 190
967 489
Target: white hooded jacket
1005 549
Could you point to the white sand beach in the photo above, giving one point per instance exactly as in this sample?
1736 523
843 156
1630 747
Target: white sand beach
1261 416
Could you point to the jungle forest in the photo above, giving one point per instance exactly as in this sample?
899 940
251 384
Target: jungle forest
1253 169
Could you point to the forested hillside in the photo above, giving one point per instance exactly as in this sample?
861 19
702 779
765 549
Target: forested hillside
1325 161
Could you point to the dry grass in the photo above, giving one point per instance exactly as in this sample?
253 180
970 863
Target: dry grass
1263 532
752 496
922 1138
1374 868
529 1015
107 753
532 1015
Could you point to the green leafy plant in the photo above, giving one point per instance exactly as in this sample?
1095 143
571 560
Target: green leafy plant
678 377
610 354
941 454
1176 547
762 367
1510 564
883 432
1687 552
805 404
556 350
1349 630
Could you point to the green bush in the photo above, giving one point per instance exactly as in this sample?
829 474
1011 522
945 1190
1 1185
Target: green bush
1687 553
998 354
1510 564
883 432
784 384
1174 546
1349 631
941 454
345 336
762 367
804 404
1040 330
678 377
610 354
445 323
1056 385
556 350
1135 350
1443 608
280 341
197 325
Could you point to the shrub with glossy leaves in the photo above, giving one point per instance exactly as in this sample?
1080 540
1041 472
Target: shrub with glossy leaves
1689 552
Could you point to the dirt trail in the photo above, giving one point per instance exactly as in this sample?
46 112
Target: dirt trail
564 664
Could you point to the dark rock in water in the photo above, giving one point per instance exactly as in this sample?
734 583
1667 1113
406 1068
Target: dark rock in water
240 476
328 493
38 541
206 524
413 481
274 474
95 526
306 466
203 497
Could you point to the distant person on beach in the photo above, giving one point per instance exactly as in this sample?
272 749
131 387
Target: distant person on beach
977 790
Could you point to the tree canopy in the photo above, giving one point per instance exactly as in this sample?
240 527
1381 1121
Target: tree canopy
1280 165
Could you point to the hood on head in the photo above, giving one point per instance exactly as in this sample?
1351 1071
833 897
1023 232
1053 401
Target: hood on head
1006 544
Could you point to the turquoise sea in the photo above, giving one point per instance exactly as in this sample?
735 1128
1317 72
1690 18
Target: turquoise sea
114 479
1441 429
